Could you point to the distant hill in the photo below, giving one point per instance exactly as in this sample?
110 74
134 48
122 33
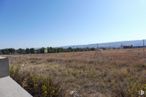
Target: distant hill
110 44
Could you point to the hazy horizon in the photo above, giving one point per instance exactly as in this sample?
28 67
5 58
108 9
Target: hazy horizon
35 23
79 44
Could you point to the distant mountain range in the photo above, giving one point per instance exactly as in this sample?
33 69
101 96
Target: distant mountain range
110 44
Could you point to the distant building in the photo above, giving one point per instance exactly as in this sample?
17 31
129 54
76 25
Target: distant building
45 50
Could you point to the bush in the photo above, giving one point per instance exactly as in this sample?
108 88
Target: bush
37 86
128 88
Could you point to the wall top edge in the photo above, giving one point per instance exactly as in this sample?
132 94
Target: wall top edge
2 57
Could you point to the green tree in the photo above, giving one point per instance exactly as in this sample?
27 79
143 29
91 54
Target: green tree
27 51
32 50
21 51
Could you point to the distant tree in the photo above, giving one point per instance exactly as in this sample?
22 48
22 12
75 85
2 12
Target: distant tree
92 49
128 46
11 50
50 50
60 50
45 50
21 51
42 50
5 51
69 49
32 50
27 51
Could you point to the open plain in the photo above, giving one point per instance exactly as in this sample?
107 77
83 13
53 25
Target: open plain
101 73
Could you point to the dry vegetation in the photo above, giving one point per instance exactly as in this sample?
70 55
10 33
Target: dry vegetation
108 73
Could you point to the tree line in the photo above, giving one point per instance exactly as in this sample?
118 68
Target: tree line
42 50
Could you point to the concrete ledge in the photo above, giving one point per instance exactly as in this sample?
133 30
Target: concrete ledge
9 88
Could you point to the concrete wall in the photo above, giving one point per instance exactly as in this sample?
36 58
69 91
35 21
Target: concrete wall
4 67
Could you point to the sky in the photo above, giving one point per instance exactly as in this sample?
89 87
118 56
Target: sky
44 23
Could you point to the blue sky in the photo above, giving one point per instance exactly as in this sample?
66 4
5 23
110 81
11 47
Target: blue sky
38 23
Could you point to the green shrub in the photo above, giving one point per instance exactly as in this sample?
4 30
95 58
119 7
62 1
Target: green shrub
37 86
128 88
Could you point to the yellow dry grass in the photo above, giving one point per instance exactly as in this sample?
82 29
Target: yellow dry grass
110 73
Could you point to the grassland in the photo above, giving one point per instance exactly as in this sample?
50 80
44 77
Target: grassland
105 73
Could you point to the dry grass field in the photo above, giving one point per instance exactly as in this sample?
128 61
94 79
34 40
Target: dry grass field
106 73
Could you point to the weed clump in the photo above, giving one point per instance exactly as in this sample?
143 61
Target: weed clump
37 86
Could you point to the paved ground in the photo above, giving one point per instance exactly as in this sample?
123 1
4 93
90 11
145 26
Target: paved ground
9 88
